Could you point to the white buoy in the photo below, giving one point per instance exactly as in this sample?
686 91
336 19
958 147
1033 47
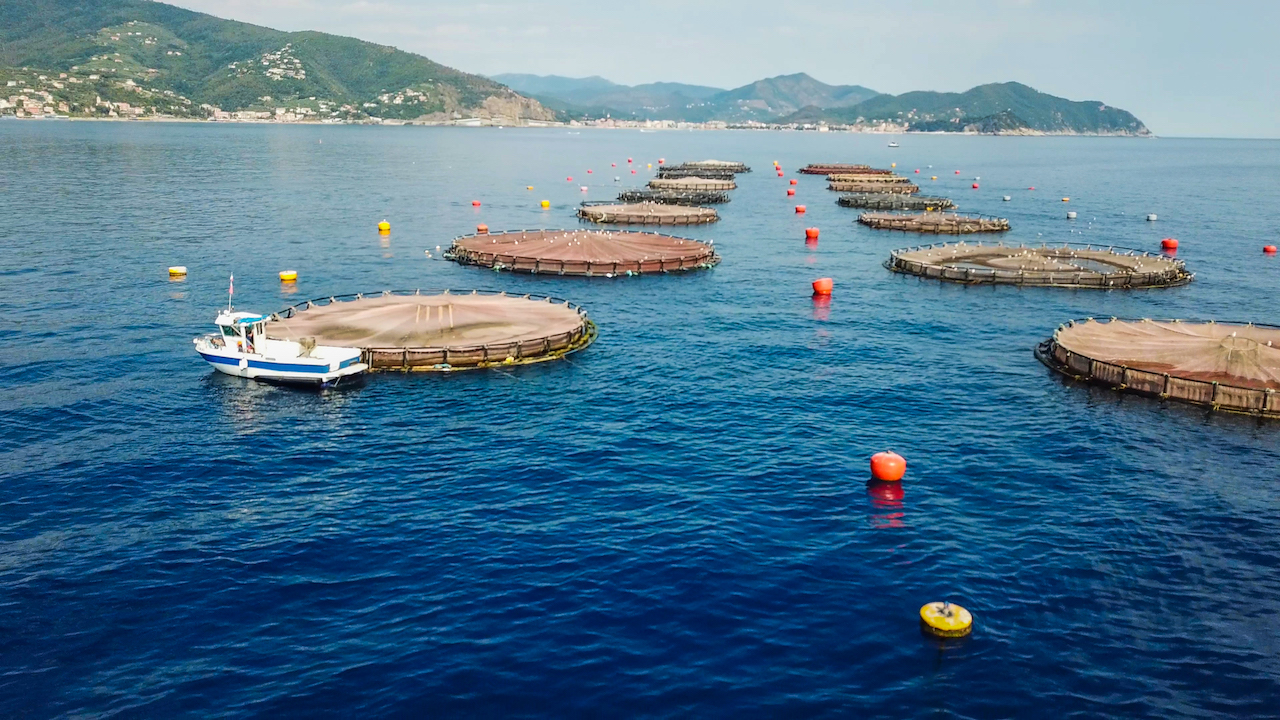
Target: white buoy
1151 217
1071 215
1007 198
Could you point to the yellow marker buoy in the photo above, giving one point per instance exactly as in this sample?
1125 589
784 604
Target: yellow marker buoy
935 177
1066 199
942 619
530 187
384 226
288 275
178 271
893 164
650 166
546 203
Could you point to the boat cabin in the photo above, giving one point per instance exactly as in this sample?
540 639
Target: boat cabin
241 330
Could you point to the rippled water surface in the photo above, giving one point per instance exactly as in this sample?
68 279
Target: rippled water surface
673 522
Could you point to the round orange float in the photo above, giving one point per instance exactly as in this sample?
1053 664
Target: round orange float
1169 244
822 286
790 193
1269 249
811 233
888 466
482 228
800 209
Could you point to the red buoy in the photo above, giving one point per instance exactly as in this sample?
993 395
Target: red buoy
613 164
957 172
800 208
633 172
888 466
569 179
811 233
1269 249
1169 244
662 161
475 203
1033 187
790 192
588 172
794 181
917 172
482 229
822 286
975 186
628 159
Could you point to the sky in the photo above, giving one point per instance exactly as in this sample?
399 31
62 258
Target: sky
1184 68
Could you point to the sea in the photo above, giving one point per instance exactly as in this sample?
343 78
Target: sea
677 521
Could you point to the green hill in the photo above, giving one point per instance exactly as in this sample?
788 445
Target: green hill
999 107
173 55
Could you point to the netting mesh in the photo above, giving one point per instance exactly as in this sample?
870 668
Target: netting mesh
582 252
1065 265
1243 355
428 321
648 214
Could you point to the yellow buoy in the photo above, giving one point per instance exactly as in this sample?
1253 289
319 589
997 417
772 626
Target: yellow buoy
546 203
650 166
935 177
288 275
893 164
528 187
1066 199
942 619
384 226
178 271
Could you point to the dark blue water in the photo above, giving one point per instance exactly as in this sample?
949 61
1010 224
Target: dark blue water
674 522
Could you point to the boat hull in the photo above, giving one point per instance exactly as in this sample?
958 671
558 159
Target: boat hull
298 371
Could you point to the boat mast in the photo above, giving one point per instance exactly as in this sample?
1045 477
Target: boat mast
231 287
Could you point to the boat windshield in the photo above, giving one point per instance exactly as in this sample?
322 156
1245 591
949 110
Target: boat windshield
229 331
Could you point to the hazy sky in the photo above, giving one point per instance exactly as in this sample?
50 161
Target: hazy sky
1184 68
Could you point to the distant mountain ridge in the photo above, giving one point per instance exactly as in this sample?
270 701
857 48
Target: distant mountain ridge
1006 108
1005 104
761 100
149 54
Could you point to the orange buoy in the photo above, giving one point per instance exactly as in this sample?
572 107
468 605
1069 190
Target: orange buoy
633 172
613 164
475 203
1169 244
800 208
795 181
975 186
957 172
1033 187
790 192
822 286
1269 249
569 179
588 172
481 229
811 233
888 466
917 171
628 159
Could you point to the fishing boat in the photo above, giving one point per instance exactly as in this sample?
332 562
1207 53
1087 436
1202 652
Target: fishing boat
893 144
242 348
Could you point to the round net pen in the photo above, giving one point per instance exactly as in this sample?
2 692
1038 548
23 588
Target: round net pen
939 223
884 201
439 332
1224 366
862 187
591 253
691 183
646 214
837 168
870 179
668 173
674 197
1067 265
729 165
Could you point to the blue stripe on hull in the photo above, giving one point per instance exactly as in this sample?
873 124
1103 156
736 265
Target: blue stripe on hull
220 360
288 367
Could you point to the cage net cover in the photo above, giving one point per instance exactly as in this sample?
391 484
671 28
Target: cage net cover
1244 355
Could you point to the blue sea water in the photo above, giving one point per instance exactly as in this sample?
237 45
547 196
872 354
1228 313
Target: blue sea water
675 522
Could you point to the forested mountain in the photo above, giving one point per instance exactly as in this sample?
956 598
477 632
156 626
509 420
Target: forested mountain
163 56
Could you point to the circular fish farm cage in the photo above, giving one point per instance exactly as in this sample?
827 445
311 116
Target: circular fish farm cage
674 197
1066 265
692 183
729 165
668 173
939 223
884 201
646 214
439 332
1224 366
870 179
591 253
863 187
837 168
